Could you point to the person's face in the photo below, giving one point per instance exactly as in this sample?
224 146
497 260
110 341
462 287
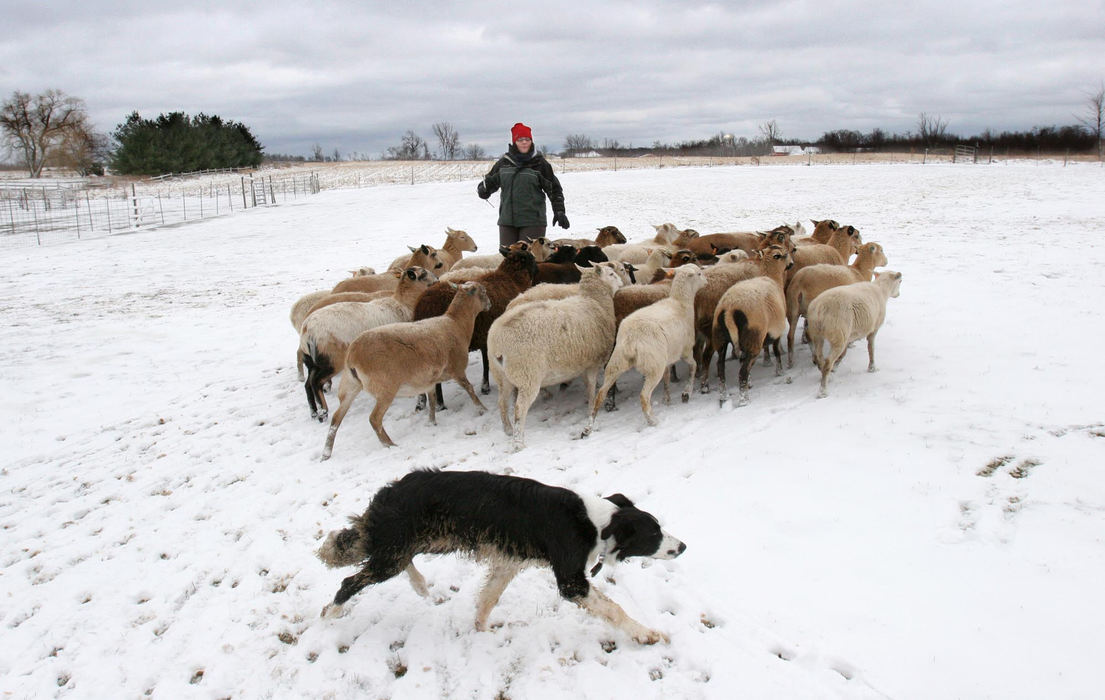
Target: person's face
524 144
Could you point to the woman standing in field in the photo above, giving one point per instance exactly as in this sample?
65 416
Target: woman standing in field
525 178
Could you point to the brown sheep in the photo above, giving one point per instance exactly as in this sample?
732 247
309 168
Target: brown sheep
425 256
749 315
456 243
513 276
412 356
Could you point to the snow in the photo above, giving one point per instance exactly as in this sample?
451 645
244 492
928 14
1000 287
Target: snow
934 529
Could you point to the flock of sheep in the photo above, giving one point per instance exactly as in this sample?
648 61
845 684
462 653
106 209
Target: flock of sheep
546 312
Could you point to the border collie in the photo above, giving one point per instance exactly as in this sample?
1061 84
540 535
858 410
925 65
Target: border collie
507 521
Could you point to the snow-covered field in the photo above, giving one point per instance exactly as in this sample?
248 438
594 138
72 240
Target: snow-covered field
935 529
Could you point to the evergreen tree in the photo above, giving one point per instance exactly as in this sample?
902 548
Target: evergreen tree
177 143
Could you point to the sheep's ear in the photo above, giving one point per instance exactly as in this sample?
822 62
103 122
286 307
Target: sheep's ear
425 249
589 270
396 272
504 251
449 230
413 250
630 267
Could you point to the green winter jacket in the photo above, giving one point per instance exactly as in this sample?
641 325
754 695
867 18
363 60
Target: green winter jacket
525 182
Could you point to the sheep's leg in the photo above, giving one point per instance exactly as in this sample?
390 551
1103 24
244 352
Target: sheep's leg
525 399
611 399
613 371
485 388
432 408
792 323
501 574
504 399
674 374
871 352
299 365
828 363
748 358
667 387
688 357
441 397
652 378
462 379
775 345
376 419
348 389
721 371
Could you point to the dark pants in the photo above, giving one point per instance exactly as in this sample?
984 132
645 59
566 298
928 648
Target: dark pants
513 234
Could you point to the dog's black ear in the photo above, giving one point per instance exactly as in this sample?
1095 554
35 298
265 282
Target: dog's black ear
620 501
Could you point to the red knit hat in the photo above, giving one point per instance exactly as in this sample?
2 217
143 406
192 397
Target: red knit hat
519 131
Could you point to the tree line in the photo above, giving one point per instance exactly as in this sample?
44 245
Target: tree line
53 128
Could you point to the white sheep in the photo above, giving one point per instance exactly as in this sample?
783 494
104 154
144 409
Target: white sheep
551 342
845 314
424 256
652 339
409 359
326 334
811 281
667 237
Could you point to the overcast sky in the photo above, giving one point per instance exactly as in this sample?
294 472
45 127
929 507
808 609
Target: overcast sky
354 76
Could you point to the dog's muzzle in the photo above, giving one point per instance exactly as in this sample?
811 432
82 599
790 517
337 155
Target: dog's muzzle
670 548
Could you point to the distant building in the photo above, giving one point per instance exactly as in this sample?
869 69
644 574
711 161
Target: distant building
794 150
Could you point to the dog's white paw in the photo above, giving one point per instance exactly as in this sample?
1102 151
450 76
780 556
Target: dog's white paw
651 637
332 611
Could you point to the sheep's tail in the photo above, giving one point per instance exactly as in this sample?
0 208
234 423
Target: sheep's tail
346 547
312 349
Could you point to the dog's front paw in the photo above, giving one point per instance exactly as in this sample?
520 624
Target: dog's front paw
332 610
651 637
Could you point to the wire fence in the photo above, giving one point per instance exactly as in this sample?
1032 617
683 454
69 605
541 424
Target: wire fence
71 210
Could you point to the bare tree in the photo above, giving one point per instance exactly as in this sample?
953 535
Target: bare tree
577 143
85 151
412 147
448 140
771 132
336 156
931 129
1094 116
33 126
316 153
474 152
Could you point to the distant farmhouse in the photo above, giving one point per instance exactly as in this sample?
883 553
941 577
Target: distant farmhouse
794 150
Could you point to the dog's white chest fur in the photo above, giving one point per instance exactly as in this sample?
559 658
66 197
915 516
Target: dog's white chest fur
599 512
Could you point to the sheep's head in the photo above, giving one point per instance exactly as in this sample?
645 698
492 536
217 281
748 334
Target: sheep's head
666 232
691 276
519 260
461 239
681 257
418 275
604 273
875 253
776 257
426 256
478 291
608 235
891 280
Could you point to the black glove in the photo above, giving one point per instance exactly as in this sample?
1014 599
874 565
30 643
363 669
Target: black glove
482 191
560 219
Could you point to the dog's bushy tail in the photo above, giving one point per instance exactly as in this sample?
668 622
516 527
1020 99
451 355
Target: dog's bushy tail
345 547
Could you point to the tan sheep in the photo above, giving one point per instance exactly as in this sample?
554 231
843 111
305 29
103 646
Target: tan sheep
407 359
845 314
456 244
327 333
541 248
811 281
425 256
842 244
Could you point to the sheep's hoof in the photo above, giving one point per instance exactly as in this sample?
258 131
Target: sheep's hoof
685 396
609 404
872 368
322 416
586 432
420 405
485 389
704 389
742 400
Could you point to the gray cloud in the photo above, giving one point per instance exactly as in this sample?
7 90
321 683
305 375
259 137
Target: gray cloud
355 76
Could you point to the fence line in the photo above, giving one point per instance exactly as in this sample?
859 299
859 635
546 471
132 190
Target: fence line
45 215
